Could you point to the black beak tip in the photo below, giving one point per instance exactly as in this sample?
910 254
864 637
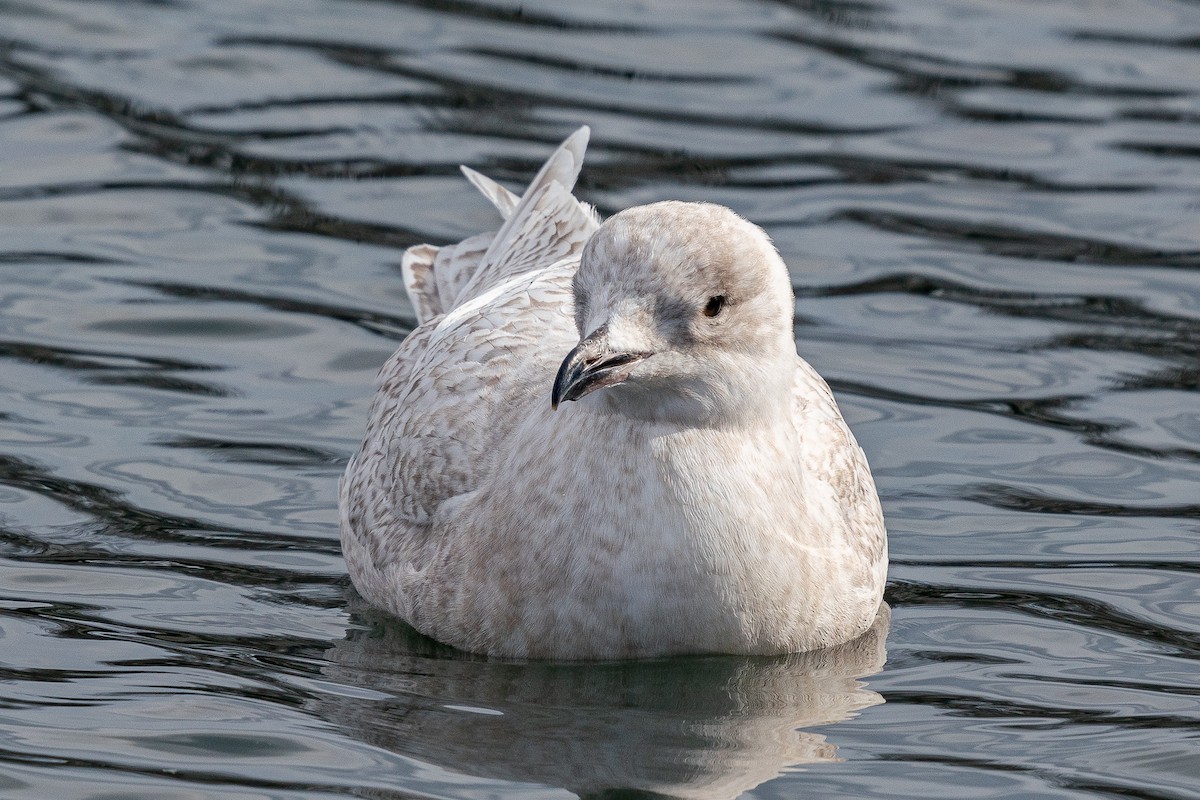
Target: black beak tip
562 380
590 366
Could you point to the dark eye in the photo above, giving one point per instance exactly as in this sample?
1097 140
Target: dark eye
714 305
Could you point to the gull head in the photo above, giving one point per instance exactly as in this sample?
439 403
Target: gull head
684 312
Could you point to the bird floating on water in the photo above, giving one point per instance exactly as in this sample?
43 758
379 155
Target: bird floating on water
702 494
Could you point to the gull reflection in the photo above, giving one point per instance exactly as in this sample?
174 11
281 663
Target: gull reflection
696 727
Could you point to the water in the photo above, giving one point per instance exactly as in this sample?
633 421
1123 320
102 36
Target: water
992 214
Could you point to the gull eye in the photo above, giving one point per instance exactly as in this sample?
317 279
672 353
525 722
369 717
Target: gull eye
714 305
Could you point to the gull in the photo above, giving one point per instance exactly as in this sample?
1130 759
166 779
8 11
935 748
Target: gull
599 442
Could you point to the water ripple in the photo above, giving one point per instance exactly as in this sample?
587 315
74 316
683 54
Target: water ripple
989 210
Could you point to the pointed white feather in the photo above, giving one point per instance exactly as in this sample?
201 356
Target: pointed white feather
504 200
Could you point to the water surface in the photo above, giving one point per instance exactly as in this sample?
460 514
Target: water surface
991 211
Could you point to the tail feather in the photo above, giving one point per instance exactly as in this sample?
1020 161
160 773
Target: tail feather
420 281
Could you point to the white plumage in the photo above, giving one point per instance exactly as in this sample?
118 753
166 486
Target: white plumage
703 495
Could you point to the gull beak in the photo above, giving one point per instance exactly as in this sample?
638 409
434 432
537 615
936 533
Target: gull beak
592 365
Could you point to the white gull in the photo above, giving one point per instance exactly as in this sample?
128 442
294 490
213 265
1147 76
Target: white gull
704 495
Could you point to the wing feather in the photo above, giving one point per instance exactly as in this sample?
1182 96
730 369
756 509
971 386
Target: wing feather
494 317
504 200
545 224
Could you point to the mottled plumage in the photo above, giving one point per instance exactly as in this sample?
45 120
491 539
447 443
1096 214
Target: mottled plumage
703 495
